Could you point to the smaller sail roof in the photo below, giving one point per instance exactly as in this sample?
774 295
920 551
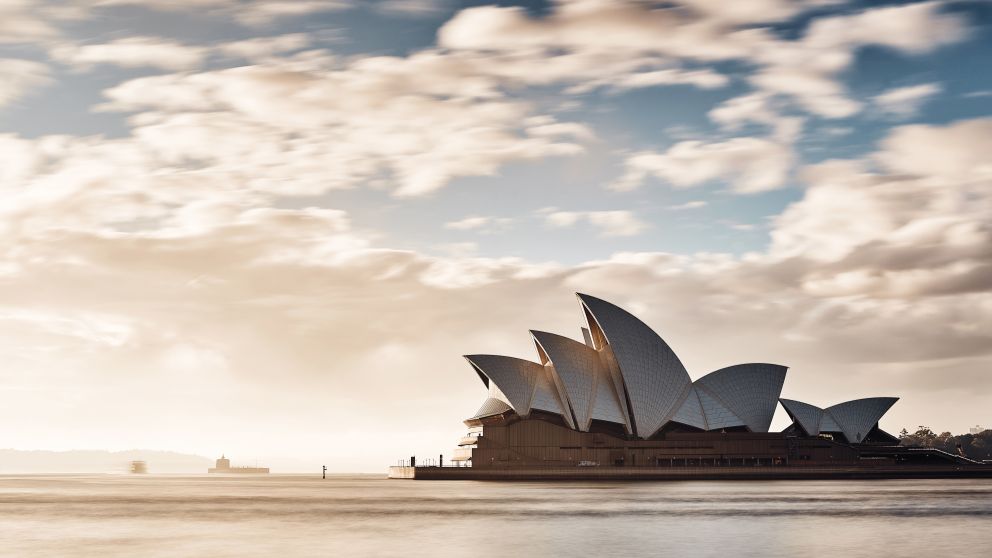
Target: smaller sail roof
750 391
805 415
691 411
854 419
491 407
515 377
717 415
857 418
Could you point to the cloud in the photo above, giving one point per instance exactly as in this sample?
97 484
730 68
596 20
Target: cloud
815 91
737 111
263 12
749 165
949 155
915 28
132 52
17 77
263 47
609 223
412 7
595 25
703 79
806 70
695 204
476 222
803 70
906 101
247 12
298 129
759 11
24 21
918 205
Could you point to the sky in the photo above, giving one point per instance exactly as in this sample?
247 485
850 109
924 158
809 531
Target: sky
271 228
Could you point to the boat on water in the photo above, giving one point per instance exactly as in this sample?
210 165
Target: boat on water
223 466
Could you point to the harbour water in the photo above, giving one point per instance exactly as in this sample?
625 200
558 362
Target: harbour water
368 516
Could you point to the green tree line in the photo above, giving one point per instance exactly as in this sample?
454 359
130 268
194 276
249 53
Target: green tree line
974 446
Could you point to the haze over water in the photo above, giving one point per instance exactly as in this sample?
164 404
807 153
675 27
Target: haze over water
286 515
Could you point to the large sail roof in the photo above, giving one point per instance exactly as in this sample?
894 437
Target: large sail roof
654 378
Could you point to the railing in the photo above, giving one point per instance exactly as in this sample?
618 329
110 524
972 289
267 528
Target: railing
430 462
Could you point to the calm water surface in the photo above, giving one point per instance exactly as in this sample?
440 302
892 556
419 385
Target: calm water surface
368 516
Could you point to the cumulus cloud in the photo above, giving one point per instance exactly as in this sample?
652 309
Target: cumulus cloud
747 164
17 77
264 47
755 11
262 12
703 79
906 101
919 206
132 52
695 204
752 107
248 12
478 222
914 28
804 70
24 21
296 130
609 223
412 7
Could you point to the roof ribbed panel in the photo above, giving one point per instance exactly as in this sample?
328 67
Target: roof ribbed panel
828 424
750 391
546 396
691 411
607 404
808 416
577 367
491 407
717 416
515 377
654 377
857 418
616 384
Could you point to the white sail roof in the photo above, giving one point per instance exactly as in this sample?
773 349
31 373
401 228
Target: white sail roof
854 419
807 416
750 391
576 367
515 377
691 411
717 415
857 418
654 378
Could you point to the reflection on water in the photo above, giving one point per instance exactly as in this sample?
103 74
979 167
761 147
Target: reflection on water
369 516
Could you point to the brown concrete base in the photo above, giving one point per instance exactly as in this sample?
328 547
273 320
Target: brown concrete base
688 473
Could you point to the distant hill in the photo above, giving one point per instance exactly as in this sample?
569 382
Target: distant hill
99 461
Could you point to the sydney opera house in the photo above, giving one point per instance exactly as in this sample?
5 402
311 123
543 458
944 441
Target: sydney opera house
622 402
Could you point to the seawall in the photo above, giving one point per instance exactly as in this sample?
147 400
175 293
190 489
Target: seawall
687 473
